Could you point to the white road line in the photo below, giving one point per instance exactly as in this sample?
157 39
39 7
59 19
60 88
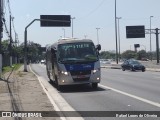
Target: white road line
132 96
58 102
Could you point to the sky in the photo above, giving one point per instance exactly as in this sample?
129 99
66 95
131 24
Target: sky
89 15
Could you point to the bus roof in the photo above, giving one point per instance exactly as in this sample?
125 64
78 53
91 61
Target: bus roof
72 40
67 40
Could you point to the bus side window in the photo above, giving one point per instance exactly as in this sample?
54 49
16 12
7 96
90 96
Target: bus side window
53 54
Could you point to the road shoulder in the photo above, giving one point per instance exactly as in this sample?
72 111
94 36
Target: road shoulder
21 91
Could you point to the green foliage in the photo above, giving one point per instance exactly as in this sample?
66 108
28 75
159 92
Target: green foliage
107 55
128 54
9 68
34 52
5 46
141 54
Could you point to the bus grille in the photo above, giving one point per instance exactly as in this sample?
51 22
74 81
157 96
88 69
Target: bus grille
84 72
79 73
81 79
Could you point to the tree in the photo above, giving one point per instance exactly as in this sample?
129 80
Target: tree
141 54
107 55
33 52
5 46
128 54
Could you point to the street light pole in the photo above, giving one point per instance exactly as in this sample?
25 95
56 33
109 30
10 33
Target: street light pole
97 35
85 36
118 18
63 32
150 40
72 25
116 33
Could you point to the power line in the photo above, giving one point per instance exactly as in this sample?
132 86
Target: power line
9 8
6 30
94 10
10 14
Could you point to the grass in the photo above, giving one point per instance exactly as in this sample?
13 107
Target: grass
9 68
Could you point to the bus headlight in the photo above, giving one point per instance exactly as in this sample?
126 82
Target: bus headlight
94 71
64 73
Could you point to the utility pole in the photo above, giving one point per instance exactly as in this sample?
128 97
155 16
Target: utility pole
10 45
1 32
118 18
116 32
150 40
157 45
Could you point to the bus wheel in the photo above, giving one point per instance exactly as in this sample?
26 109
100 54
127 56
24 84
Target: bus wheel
56 81
94 85
50 80
59 87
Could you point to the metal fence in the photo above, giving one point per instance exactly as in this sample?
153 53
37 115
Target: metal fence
7 62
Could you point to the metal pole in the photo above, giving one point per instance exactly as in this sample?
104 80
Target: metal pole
119 37
10 45
150 40
97 35
116 34
72 25
1 32
157 45
63 32
25 45
25 50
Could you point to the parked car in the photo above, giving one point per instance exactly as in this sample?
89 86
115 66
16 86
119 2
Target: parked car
43 62
132 65
145 59
105 61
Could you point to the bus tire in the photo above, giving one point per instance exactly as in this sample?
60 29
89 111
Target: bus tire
51 81
59 87
94 85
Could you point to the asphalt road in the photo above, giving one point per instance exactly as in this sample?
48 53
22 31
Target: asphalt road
118 91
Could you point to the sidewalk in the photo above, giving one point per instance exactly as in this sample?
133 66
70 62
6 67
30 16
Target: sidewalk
21 91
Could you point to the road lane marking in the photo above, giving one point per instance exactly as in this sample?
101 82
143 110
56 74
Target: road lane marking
58 102
132 96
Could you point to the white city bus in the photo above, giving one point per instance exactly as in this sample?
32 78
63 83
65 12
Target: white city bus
73 61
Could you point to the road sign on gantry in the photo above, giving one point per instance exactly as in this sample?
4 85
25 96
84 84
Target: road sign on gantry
136 45
135 31
55 20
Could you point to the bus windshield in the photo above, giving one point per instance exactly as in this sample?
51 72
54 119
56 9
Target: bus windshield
77 52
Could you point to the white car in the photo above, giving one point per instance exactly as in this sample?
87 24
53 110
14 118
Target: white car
105 61
43 61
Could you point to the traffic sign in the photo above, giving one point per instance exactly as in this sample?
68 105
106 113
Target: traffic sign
135 31
55 20
136 45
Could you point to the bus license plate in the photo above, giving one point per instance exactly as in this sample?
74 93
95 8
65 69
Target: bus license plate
81 76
